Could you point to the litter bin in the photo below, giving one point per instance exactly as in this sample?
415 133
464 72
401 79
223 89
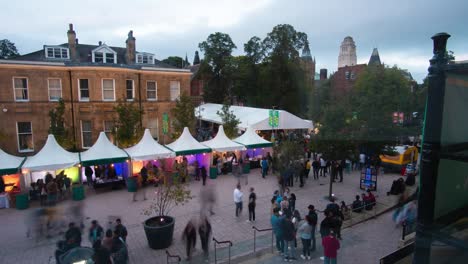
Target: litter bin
213 172
348 167
132 184
78 192
22 201
246 168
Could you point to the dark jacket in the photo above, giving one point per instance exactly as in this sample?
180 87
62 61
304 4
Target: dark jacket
288 230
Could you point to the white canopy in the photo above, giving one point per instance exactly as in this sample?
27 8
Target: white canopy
9 163
103 152
222 143
51 157
186 145
257 118
149 149
250 139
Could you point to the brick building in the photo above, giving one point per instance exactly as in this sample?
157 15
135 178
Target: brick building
91 79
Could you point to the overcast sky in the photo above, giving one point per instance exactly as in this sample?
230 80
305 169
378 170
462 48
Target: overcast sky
400 29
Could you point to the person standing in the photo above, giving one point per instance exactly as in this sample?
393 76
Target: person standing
264 165
305 233
288 235
330 248
196 166
203 175
204 230
323 167
89 175
190 237
316 168
362 161
238 199
252 200
276 224
308 166
95 232
313 221
121 229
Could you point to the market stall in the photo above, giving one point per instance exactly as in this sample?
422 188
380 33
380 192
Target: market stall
221 145
188 150
10 178
257 147
104 164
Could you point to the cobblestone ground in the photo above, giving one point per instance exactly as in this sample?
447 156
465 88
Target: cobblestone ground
15 247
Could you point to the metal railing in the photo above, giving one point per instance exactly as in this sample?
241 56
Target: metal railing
216 242
262 230
169 256
408 227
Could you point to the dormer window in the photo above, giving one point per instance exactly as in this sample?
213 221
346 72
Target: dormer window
104 54
57 53
146 58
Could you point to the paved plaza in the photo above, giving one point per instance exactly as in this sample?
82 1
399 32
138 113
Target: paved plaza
15 247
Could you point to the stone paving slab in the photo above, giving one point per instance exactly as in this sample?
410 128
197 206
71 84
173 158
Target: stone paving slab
16 248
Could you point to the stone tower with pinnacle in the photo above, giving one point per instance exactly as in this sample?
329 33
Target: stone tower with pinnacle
347 55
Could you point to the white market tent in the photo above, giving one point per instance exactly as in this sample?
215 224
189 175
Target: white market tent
222 143
250 139
257 118
103 152
9 164
186 145
148 149
51 157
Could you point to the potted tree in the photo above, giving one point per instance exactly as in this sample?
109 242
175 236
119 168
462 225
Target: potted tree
159 228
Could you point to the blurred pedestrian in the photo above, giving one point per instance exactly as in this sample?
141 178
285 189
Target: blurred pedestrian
276 224
96 232
252 201
107 241
121 229
288 235
313 221
204 230
330 248
305 233
189 235
203 174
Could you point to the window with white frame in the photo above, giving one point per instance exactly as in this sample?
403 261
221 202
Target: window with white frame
174 90
109 129
57 53
20 85
130 94
145 58
104 55
153 125
151 90
86 134
55 89
98 57
84 89
25 137
108 89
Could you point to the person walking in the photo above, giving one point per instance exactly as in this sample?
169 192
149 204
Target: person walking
96 232
288 235
323 167
204 230
313 221
121 229
264 165
276 224
190 237
341 168
305 233
89 175
308 166
252 200
238 199
316 168
330 248
203 175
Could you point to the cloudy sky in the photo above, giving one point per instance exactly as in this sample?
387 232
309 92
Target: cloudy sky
400 29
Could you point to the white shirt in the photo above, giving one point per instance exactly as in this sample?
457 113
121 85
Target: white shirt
362 158
238 196
323 163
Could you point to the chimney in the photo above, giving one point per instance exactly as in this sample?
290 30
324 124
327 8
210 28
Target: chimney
72 41
131 50
323 74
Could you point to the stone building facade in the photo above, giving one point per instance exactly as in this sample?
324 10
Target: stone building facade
91 80
347 56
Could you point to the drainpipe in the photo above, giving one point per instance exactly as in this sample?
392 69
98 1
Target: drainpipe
139 100
72 110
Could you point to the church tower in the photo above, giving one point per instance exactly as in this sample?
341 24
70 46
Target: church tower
308 63
375 58
347 55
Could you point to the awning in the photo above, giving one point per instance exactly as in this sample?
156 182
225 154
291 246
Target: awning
187 145
9 164
222 143
149 149
103 152
251 140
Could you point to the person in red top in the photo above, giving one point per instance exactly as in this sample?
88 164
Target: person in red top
330 248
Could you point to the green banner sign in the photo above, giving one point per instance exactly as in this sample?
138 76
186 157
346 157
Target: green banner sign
165 123
273 118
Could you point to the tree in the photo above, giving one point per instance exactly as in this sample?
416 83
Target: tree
7 49
230 121
58 127
176 61
218 66
184 115
127 129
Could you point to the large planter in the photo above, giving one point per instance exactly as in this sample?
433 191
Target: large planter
159 236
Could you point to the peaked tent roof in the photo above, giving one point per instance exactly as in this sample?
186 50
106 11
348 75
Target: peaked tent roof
148 149
222 143
9 164
257 118
51 157
103 152
250 139
186 145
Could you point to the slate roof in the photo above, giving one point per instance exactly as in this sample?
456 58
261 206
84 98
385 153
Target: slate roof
85 58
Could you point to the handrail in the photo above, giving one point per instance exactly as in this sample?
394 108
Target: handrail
262 230
222 242
168 255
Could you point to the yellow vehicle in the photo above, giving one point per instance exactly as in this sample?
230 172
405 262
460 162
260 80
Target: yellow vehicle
404 155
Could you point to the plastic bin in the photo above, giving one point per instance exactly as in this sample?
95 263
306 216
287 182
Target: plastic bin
132 184
78 193
213 172
246 167
22 201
